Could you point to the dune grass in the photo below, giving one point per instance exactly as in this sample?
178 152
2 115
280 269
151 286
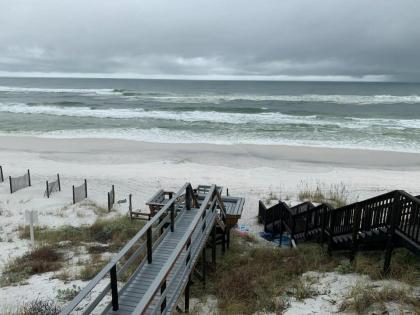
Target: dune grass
115 232
251 277
337 195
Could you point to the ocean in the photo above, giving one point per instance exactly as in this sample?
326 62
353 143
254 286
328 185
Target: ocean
377 116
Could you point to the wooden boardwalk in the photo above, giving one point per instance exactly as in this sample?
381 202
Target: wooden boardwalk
164 253
386 221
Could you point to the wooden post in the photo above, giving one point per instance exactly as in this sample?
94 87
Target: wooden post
292 233
48 190
213 247
149 245
29 179
203 267
172 217
307 224
74 198
114 288
228 238
331 231
227 192
58 181
356 224
130 207
188 198
10 182
1 174
31 227
86 189
323 223
187 296
224 241
109 202
390 233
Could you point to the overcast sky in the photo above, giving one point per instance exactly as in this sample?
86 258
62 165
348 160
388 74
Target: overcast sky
279 39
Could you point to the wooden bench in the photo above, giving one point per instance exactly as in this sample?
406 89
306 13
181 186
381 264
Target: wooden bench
234 207
158 200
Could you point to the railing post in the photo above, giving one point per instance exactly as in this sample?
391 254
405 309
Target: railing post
331 231
323 222
48 190
172 209
59 183
187 296
29 179
10 182
213 245
204 262
114 288
390 233
306 224
1 174
292 233
149 245
356 226
109 202
188 198
227 192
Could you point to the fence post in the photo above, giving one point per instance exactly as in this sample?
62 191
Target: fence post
29 179
48 190
1 174
130 207
74 199
59 183
109 202
149 245
10 182
227 192
85 188
114 288
113 194
356 225
390 233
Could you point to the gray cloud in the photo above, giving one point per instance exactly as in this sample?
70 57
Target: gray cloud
289 38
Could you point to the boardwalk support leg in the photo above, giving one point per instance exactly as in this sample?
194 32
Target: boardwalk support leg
114 288
228 238
204 262
187 296
213 246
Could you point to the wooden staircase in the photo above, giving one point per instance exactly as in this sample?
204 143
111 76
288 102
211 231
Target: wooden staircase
383 222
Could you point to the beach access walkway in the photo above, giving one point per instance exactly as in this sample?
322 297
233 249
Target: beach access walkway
149 275
382 222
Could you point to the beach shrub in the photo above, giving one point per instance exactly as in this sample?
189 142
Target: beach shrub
39 307
39 260
68 294
362 296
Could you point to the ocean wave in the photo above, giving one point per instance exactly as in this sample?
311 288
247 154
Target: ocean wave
168 97
15 89
160 135
264 118
306 98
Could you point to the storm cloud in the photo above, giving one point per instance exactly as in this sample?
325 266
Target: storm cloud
212 38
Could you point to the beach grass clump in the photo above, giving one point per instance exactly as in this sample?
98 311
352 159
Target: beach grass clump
362 297
39 260
92 267
271 197
337 194
405 266
250 277
35 307
113 231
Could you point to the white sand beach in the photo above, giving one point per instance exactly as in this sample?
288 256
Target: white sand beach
140 169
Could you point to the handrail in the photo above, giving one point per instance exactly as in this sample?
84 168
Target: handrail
161 276
114 261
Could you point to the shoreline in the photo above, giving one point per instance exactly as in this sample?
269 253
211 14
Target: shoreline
237 155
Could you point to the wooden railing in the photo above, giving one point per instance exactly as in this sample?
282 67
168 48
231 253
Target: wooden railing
189 245
142 244
408 223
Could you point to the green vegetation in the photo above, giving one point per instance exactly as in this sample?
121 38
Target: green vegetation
337 195
251 277
36 307
114 232
91 268
362 297
68 294
39 260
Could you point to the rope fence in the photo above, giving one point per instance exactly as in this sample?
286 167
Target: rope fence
80 192
52 186
17 183
111 198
